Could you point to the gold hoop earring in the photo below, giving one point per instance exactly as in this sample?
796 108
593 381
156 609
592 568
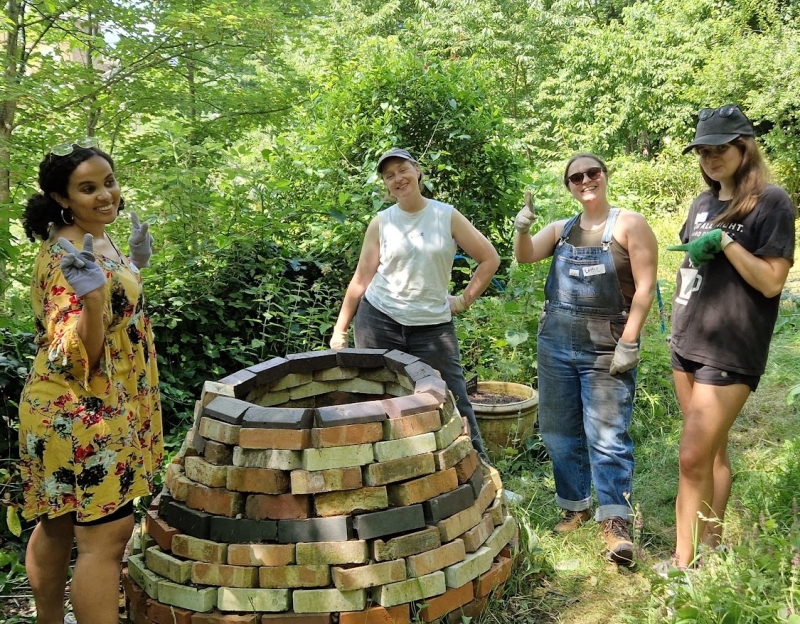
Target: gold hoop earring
64 213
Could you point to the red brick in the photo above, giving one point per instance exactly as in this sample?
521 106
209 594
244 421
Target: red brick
296 618
346 435
331 480
259 480
215 617
217 453
422 489
451 600
415 424
401 614
135 598
159 613
159 530
280 507
472 610
217 501
494 577
411 404
287 439
467 466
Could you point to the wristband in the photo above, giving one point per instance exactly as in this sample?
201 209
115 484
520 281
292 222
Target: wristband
725 240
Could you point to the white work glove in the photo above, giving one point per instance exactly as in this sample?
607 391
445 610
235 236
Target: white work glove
339 340
140 243
626 356
526 216
457 304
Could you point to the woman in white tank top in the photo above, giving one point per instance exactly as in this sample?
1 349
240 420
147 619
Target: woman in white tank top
398 294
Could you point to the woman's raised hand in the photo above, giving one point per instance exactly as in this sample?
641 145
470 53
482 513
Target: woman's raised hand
140 243
79 267
526 216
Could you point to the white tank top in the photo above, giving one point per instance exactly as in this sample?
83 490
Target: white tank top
416 261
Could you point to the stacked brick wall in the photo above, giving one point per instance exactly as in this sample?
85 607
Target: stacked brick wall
322 487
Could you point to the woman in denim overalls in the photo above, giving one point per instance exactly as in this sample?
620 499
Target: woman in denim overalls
598 294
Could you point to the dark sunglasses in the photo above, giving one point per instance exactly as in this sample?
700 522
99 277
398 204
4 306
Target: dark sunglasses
594 173
722 111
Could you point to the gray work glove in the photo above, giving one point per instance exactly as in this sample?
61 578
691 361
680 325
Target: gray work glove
79 268
140 243
626 356
339 339
526 216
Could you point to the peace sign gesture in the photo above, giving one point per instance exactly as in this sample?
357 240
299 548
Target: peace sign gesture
79 267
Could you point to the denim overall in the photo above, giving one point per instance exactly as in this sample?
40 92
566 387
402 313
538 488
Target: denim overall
584 411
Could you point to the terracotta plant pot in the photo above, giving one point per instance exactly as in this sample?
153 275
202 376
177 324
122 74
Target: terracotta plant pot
508 423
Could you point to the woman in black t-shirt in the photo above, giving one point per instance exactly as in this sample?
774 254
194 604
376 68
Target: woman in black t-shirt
739 236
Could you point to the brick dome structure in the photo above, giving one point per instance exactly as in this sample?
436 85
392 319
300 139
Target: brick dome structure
330 486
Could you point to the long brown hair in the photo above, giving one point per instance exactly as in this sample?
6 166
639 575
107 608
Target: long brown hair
750 179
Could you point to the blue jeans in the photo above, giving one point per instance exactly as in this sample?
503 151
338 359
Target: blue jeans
585 412
436 345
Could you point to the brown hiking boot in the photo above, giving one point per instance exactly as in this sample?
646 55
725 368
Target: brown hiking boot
572 520
618 540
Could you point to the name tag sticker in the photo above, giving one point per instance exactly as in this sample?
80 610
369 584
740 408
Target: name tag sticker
597 269
574 273
701 217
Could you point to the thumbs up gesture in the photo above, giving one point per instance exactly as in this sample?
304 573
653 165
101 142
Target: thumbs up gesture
526 216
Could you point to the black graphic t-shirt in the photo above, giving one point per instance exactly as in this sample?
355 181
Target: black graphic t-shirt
718 319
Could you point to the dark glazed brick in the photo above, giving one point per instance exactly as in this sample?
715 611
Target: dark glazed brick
389 522
243 381
419 370
227 409
189 521
433 385
448 504
269 371
335 529
278 418
410 404
476 482
312 361
360 358
242 530
397 361
351 414
164 500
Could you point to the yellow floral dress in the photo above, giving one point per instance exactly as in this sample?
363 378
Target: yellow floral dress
90 440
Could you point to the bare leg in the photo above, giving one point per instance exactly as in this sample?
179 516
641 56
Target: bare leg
708 413
722 491
95 583
47 564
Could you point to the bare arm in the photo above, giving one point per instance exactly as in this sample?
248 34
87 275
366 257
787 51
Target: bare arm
642 248
478 247
541 245
766 275
365 271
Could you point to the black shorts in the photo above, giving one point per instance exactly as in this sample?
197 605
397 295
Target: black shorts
705 374
123 512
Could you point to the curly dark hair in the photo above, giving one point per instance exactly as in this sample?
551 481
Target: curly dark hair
42 211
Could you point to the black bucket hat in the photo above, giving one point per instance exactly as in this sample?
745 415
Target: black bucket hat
717 126
395 152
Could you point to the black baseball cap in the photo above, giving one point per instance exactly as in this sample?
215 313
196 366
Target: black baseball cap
395 152
717 126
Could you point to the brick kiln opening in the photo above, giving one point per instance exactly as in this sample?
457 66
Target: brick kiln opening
330 486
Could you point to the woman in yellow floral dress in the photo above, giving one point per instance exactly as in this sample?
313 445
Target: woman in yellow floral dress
90 413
